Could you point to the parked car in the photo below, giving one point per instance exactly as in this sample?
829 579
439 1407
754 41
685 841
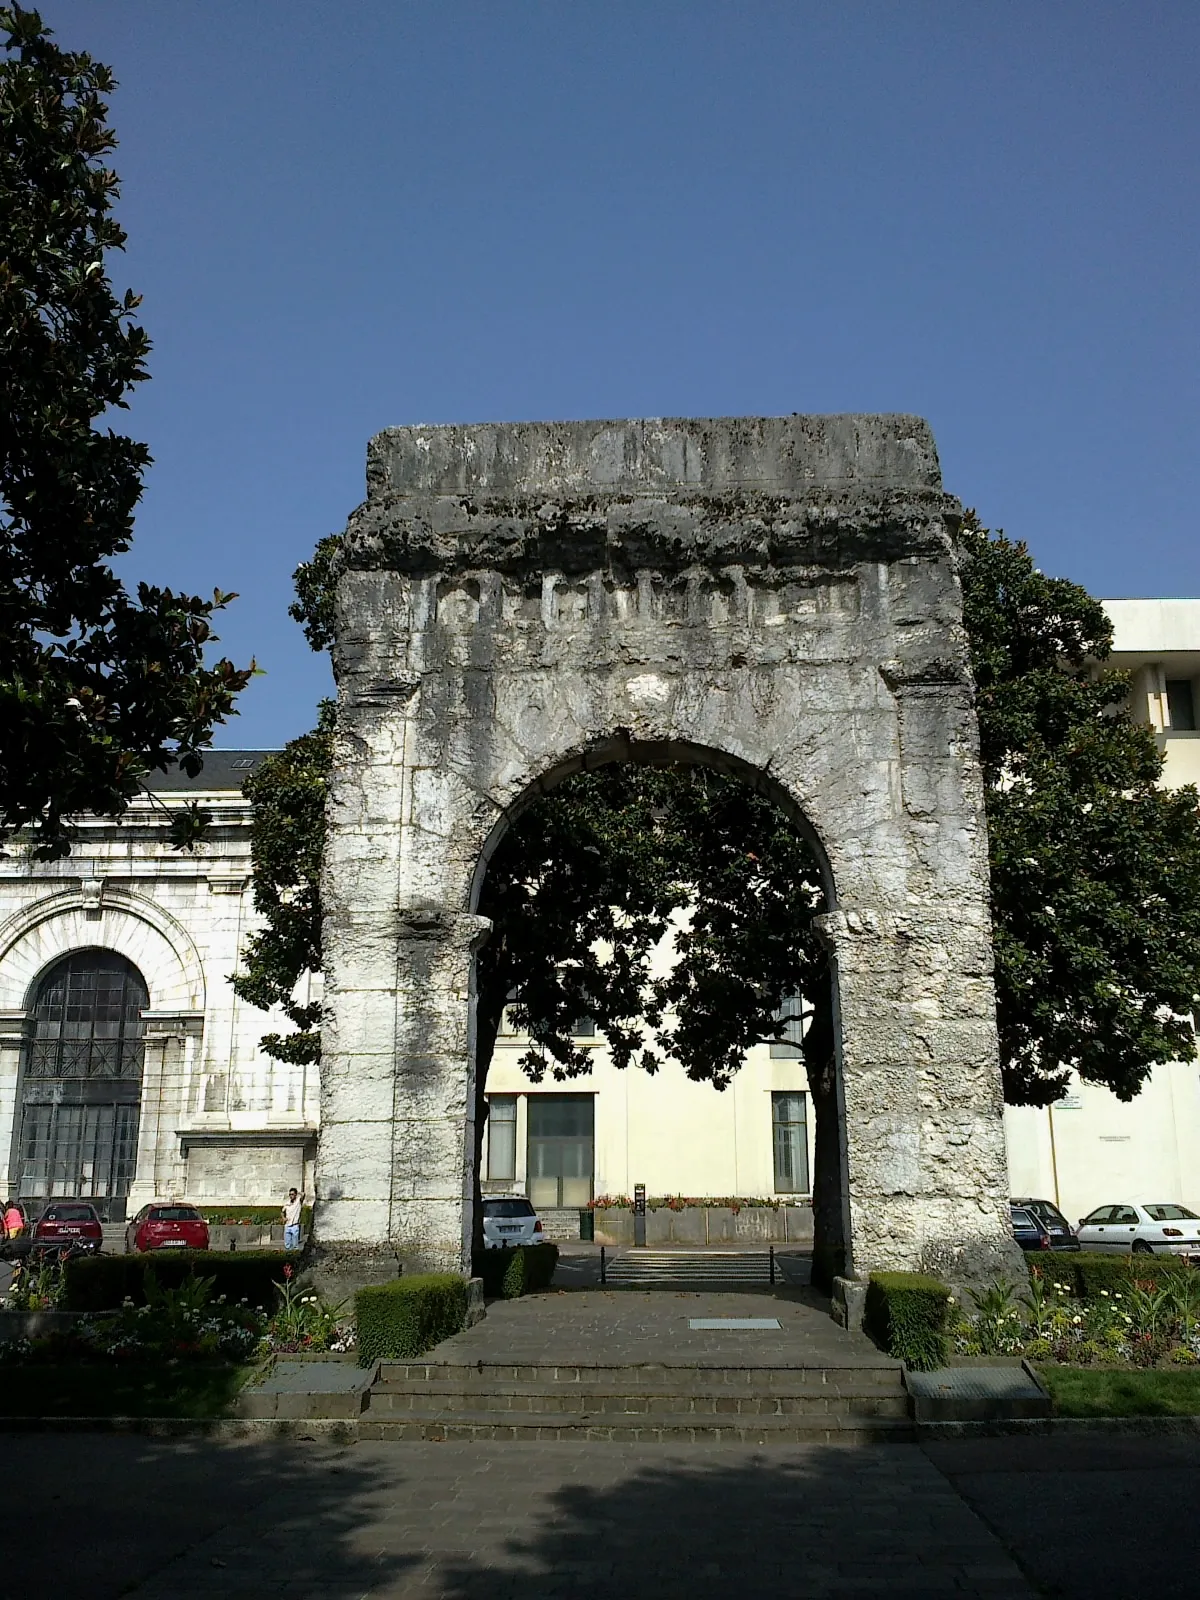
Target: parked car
166 1227
510 1220
1029 1232
1162 1228
1062 1234
68 1225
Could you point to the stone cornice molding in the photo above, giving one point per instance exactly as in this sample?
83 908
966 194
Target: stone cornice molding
764 495
116 899
173 1024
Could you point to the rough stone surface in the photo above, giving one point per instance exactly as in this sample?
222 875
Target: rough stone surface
774 596
848 1303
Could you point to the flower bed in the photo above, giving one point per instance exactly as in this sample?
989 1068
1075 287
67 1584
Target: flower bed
173 1321
680 1202
1087 1311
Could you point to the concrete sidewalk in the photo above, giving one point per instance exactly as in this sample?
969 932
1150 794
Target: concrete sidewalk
166 1520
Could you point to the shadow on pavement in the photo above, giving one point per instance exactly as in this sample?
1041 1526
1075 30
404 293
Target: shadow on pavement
111 1516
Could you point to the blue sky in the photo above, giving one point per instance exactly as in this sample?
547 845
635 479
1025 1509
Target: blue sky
349 215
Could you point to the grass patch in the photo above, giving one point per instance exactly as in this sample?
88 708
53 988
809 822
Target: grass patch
1118 1392
133 1390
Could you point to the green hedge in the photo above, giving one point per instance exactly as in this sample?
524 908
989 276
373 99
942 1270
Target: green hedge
1087 1272
906 1315
264 1216
101 1283
508 1274
408 1316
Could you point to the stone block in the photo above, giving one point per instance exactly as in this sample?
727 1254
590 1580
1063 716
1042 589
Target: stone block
848 1302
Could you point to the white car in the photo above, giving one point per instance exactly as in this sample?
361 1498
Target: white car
510 1220
1163 1229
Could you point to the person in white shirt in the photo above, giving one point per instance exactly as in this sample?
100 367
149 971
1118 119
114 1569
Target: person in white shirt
291 1220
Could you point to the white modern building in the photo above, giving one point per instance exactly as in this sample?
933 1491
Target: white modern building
129 1070
1091 1147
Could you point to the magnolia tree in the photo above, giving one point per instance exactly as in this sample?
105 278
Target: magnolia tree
98 687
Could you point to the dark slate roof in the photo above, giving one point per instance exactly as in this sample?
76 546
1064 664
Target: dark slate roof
223 769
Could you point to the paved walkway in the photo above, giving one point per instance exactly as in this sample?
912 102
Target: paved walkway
619 1327
103 1517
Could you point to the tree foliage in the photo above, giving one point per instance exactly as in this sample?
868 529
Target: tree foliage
1095 870
288 794
594 875
97 687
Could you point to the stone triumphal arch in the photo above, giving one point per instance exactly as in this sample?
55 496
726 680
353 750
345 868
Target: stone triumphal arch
779 594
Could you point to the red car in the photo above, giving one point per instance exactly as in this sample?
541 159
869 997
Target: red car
167 1227
68 1225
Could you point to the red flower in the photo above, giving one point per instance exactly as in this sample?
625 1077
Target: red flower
287 1271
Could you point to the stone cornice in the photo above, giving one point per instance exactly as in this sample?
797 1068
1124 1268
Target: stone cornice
621 535
762 494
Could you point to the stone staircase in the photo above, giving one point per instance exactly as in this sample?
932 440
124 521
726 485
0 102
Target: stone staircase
638 1401
560 1222
709 1269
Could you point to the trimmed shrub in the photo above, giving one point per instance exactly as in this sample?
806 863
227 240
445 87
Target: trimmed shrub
408 1316
1087 1272
906 1315
263 1216
508 1274
102 1283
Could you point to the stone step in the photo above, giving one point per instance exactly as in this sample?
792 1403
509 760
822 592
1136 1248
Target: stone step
560 1222
662 1268
577 1401
638 1377
658 1428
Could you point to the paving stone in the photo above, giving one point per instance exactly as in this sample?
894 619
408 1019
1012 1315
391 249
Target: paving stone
471 1522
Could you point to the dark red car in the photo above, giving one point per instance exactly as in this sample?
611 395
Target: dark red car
68 1225
167 1226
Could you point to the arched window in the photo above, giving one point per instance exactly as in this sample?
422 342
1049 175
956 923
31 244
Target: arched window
82 1081
87 1018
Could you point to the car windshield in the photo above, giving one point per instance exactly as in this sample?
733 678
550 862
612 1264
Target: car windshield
507 1208
174 1214
69 1214
1047 1212
1171 1214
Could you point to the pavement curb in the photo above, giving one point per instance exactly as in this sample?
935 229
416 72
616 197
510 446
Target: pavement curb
1147 1426
339 1428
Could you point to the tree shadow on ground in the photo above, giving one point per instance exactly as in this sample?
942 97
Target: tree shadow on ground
823 1521
107 1515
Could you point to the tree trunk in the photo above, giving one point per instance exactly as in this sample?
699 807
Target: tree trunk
820 1058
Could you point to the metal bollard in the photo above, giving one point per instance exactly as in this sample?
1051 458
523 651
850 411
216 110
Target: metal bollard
603 1278
772 1264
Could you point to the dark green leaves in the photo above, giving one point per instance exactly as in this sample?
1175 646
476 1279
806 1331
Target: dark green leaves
592 877
1095 870
288 792
96 688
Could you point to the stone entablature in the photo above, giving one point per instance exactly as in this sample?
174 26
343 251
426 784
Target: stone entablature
776 596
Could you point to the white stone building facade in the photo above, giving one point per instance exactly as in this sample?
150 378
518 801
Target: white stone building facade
129 1070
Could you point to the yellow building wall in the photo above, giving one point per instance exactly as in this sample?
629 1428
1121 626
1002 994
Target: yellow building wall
673 1135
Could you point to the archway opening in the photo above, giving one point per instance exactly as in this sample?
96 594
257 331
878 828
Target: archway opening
656 915
81 1082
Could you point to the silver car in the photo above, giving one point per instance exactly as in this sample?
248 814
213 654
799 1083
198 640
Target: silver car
1163 1228
510 1220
